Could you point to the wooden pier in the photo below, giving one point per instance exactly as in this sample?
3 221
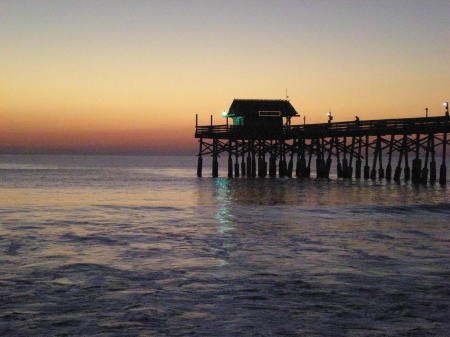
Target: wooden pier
262 142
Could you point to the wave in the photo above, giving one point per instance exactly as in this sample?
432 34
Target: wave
442 208
143 208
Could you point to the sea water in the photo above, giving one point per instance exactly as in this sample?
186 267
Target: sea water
139 246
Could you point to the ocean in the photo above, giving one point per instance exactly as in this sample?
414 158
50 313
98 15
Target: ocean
139 246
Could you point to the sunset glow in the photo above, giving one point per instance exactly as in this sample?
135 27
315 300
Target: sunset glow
102 77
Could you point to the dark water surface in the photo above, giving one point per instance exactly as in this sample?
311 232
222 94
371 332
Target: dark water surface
137 246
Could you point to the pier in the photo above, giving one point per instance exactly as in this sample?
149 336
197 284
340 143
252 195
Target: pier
262 142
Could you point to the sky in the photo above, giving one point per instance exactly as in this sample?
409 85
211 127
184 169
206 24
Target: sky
106 76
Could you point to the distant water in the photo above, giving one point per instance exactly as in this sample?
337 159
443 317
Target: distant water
138 246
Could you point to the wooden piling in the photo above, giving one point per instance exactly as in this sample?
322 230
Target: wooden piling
349 173
236 161
329 161
373 172
380 161
424 172
443 170
215 163
389 166
344 159
358 161
416 163
338 160
301 161
366 166
200 159
282 160
433 161
272 166
290 166
243 166
308 166
253 160
407 169
230 161
199 166
398 169
319 167
249 164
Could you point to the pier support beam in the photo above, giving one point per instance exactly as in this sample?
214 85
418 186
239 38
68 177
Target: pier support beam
249 165
380 161
338 160
349 173
262 164
398 169
389 167
230 167
344 159
358 161
199 166
424 172
243 167
200 159
303 167
443 171
329 160
319 162
298 170
417 163
253 160
236 160
433 161
407 170
215 167
230 160
373 173
215 163
290 165
282 161
272 166
366 166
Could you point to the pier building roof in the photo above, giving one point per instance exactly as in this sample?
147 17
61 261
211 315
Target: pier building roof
261 107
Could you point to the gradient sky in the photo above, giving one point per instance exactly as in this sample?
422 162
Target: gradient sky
129 76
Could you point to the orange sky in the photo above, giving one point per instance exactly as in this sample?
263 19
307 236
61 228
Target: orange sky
116 77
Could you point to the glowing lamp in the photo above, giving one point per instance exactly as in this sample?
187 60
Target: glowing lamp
224 114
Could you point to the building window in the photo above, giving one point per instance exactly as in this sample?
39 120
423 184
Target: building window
269 113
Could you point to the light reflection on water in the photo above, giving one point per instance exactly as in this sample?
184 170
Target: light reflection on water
113 246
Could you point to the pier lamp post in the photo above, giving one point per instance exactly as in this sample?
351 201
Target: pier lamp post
225 114
446 109
330 117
